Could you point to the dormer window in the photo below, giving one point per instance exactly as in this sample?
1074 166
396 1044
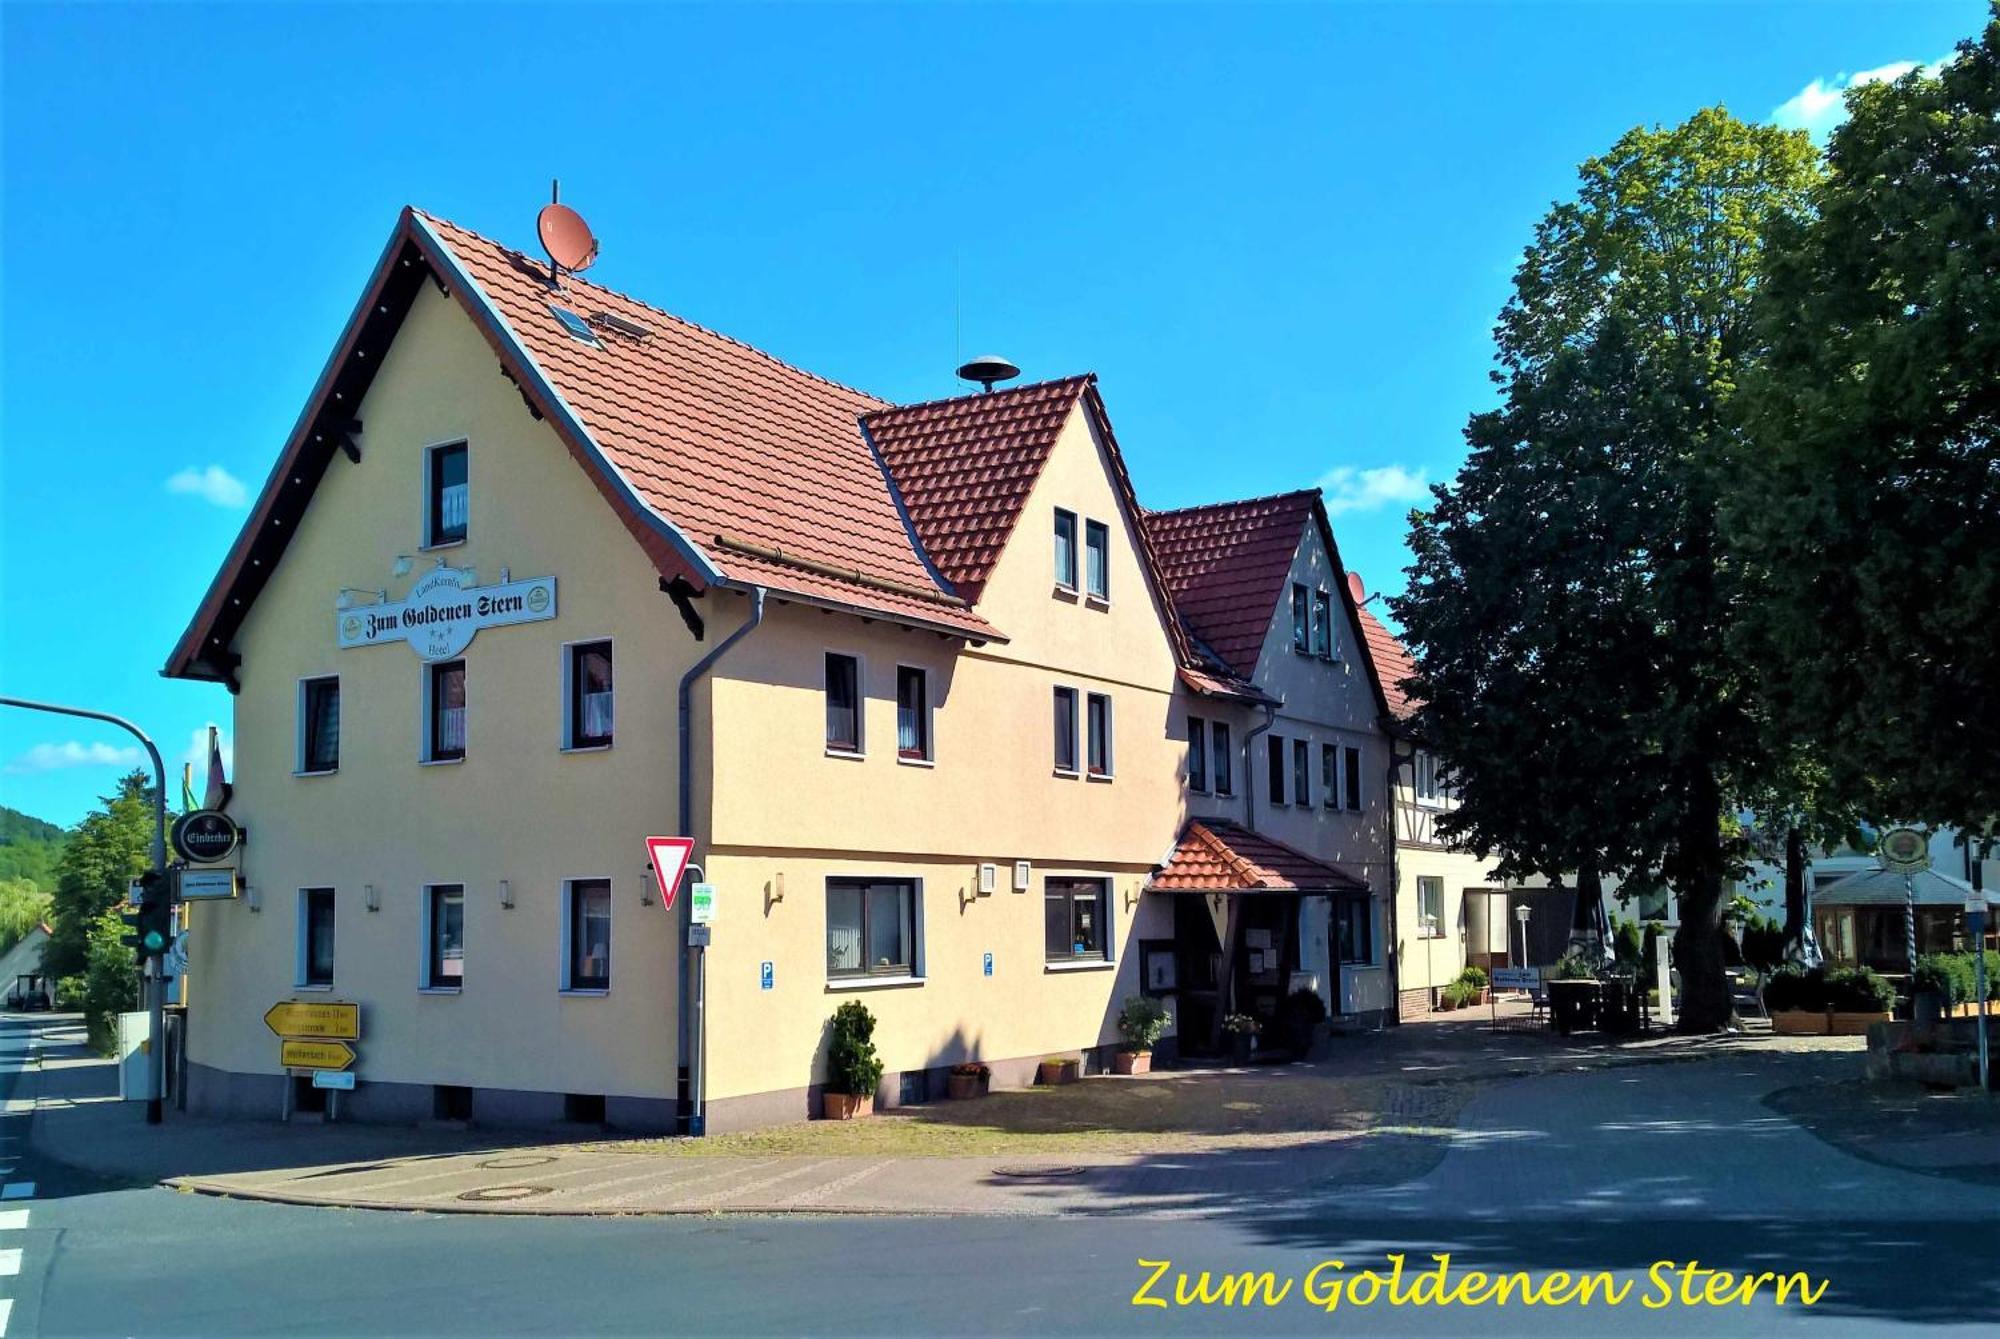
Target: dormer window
447 495
1097 560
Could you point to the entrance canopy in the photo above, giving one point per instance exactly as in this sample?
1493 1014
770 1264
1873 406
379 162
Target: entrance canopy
1214 855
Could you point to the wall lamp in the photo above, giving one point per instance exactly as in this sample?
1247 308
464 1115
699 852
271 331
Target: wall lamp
347 594
506 894
370 898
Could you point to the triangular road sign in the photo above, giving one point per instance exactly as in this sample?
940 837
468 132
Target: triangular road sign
670 856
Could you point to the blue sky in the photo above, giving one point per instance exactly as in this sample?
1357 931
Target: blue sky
1280 236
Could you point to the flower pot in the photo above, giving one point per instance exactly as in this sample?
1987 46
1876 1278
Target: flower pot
1131 1062
1241 1044
1799 1023
847 1106
1444 1005
962 1086
1055 1072
1841 1024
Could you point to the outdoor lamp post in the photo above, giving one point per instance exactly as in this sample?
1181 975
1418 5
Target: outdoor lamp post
1521 914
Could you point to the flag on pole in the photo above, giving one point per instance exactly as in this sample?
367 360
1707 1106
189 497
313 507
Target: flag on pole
218 785
187 788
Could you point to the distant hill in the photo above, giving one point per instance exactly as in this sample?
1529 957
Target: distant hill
29 848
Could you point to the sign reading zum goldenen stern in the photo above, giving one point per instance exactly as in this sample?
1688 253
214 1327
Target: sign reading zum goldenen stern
443 611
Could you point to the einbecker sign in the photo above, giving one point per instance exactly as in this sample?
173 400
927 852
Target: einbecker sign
443 610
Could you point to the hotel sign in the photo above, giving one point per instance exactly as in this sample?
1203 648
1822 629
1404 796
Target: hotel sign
443 611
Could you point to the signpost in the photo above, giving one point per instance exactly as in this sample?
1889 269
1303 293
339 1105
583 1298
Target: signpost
341 1080
701 903
670 857
334 1020
1975 918
1906 851
1527 979
296 1054
205 836
204 885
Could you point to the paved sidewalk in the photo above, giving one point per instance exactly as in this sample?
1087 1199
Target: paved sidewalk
1420 1076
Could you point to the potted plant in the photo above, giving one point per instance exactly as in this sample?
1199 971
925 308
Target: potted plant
1796 1000
1142 1020
1857 997
1461 994
1475 977
968 1079
1241 1031
1059 1069
1941 983
853 1069
1302 1014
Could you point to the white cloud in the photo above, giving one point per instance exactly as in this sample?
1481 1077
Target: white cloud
213 484
1820 106
56 757
1351 489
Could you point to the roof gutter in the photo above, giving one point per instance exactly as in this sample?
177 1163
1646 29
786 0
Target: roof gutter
688 1066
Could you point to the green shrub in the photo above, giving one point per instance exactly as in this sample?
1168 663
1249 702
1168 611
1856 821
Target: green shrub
852 1066
1628 943
1796 990
110 982
1859 990
1578 967
1142 1020
1461 993
1474 975
1763 943
1949 976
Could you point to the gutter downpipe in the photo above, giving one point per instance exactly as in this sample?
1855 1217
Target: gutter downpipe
1250 767
1232 926
692 1033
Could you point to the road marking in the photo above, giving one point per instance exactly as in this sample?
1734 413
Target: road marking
10 1262
6 1310
17 1190
13 1218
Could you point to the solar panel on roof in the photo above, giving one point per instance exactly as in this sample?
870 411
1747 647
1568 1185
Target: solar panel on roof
575 325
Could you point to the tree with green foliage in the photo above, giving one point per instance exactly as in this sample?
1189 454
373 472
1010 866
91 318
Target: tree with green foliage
110 848
1568 602
29 849
1865 498
110 980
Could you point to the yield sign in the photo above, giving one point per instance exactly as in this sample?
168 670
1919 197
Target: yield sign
670 856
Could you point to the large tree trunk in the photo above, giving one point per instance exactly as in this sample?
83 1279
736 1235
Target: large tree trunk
1795 891
1698 952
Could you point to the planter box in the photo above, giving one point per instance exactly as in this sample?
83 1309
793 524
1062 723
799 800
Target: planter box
847 1106
960 1087
1131 1062
1851 1025
1972 1010
1799 1023
1055 1072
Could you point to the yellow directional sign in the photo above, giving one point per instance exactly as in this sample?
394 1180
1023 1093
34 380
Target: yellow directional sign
315 1054
340 1021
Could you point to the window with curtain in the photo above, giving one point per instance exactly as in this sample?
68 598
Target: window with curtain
1224 761
1301 619
446 950
1323 625
913 713
871 927
843 703
316 934
1197 754
450 495
447 736
1097 559
319 743
1066 549
1098 709
1430 907
590 695
589 913
1076 919
1066 759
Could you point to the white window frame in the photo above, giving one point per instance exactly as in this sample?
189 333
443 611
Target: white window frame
1437 924
431 542
1079 746
860 749
426 918
1424 763
299 733
428 691
1071 584
567 739
1110 772
1322 599
566 909
929 755
1109 962
1097 597
919 966
301 952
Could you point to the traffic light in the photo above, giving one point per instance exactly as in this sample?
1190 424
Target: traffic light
152 923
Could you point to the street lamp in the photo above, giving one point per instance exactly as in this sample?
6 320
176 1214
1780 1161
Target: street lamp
1521 914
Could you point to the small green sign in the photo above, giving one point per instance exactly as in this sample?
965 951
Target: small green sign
701 909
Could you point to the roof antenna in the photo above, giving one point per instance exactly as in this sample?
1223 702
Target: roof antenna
987 369
565 237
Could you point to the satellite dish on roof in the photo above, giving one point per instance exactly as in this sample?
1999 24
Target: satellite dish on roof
566 238
1357 588
987 369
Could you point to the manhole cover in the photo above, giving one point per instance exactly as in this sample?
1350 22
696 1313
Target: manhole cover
489 1193
518 1161
1038 1173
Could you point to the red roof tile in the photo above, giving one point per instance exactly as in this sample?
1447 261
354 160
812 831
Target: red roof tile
1214 855
965 467
1392 663
1226 565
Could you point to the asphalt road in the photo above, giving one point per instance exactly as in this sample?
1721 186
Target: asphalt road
1895 1250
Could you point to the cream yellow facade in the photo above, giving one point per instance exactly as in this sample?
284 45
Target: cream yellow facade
1445 917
